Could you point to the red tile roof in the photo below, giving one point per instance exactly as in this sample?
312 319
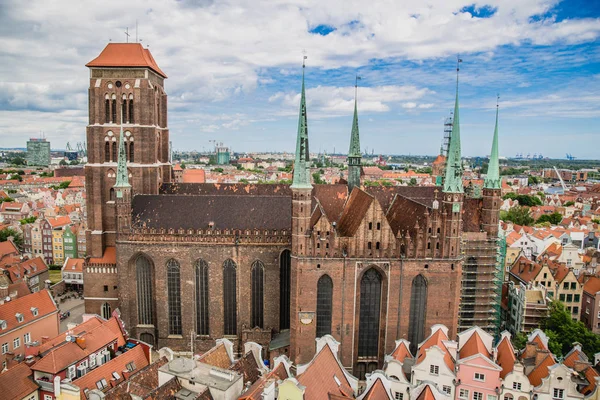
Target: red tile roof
126 55
41 300
25 268
62 355
505 357
8 248
217 357
73 265
541 371
117 364
436 339
377 391
525 269
426 394
402 352
255 391
194 176
109 257
319 378
85 326
17 382
592 285
473 346
59 222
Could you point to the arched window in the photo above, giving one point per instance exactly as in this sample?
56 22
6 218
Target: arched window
145 295
107 110
257 282
114 154
285 262
107 151
508 396
370 306
418 305
201 297
124 110
229 298
131 149
105 312
131 109
111 194
114 110
324 305
147 338
174 297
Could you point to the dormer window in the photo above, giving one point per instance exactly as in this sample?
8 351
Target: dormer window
34 311
130 366
3 324
19 317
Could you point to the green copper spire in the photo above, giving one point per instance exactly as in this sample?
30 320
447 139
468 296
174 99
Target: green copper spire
453 177
492 179
122 176
354 156
301 178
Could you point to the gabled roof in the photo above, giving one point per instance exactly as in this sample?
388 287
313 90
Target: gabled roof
473 346
17 382
117 364
426 394
377 391
436 339
85 326
255 391
322 375
525 269
73 265
126 55
217 357
41 300
61 356
8 248
354 212
592 285
109 257
541 371
59 222
247 367
25 268
141 383
402 352
505 357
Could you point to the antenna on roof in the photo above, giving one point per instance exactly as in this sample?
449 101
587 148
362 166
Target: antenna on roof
136 30
127 34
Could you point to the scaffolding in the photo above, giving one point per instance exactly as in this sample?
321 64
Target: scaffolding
481 288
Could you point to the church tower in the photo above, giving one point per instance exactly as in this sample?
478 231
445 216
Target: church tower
122 189
301 202
453 191
492 189
127 89
354 156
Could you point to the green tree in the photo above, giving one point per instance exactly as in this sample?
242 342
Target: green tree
553 218
317 178
518 215
533 180
562 332
519 341
28 220
18 161
412 182
62 163
7 199
10 232
74 162
569 203
182 165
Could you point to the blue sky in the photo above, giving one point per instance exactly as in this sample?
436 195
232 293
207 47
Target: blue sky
234 71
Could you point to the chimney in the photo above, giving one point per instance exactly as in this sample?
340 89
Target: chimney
45 339
81 342
3 290
126 374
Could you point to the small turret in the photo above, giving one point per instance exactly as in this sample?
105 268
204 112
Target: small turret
354 156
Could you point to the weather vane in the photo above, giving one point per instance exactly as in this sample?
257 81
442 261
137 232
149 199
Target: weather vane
497 100
304 57
358 78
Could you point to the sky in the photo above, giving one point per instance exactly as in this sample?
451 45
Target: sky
234 71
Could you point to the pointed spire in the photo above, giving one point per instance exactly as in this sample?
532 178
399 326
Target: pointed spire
492 179
354 156
122 175
453 177
301 179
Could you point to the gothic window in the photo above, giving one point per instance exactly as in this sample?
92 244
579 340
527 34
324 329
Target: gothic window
147 338
107 151
201 297
114 110
131 109
418 305
107 110
229 298
111 193
285 262
370 304
131 159
324 305
174 297
145 296
124 110
257 294
105 311
114 151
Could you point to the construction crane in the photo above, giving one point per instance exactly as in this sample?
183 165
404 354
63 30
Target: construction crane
570 157
562 183
70 153
82 149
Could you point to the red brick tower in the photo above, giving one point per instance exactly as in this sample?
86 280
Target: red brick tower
126 87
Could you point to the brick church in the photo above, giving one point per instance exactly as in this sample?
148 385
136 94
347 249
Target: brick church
272 263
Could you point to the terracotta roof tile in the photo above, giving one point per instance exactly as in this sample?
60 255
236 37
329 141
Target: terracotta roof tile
592 285
377 391
194 176
426 394
217 357
85 326
247 367
59 221
126 55
505 357
255 391
436 339
41 300
473 346
401 352
320 376
354 212
73 265
8 248
117 364
25 268
17 382
140 383
541 371
525 269
109 256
